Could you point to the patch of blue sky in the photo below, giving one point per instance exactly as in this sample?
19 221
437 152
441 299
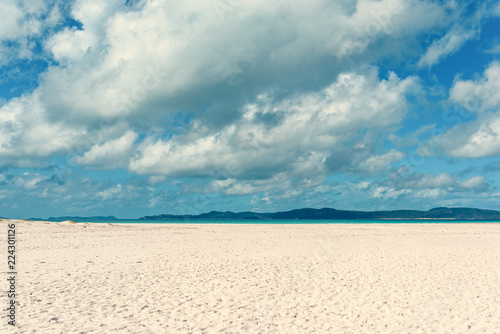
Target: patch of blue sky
21 74
464 64
20 78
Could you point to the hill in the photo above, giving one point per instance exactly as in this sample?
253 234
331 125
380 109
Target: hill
329 213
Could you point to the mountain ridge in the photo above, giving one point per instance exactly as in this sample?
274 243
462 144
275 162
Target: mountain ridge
460 213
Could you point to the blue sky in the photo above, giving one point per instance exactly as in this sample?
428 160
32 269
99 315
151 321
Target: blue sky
133 108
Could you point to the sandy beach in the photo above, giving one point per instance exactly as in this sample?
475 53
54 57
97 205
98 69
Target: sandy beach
231 278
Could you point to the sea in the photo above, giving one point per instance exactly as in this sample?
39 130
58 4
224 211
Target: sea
292 221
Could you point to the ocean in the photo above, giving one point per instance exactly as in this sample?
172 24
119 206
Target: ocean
293 221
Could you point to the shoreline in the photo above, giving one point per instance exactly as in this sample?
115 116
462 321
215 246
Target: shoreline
379 221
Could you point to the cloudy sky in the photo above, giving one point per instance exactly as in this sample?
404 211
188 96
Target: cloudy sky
133 108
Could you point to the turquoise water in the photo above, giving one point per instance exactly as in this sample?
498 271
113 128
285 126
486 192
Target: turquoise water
295 221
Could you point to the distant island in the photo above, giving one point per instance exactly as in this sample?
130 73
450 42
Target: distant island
441 213
329 213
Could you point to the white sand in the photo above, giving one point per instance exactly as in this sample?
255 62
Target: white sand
388 278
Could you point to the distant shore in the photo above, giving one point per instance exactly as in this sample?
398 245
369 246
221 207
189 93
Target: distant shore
335 214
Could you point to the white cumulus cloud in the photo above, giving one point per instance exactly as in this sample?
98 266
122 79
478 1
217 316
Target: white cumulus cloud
294 134
379 162
110 154
480 137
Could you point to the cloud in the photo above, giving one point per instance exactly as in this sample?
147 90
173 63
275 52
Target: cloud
379 162
70 44
443 181
448 44
388 193
496 10
423 181
131 64
480 94
111 154
23 23
105 60
413 186
475 183
62 191
462 25
113 192
10 15
25 132
480 137
495 49
401 191
253 99
244 187
304 131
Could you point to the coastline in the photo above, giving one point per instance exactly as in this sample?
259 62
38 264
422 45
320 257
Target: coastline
151 278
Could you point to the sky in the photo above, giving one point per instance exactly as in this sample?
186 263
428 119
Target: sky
134 108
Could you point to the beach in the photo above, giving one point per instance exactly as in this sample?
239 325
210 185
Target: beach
255 278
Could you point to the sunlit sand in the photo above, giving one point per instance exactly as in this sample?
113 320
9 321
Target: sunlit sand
179 278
